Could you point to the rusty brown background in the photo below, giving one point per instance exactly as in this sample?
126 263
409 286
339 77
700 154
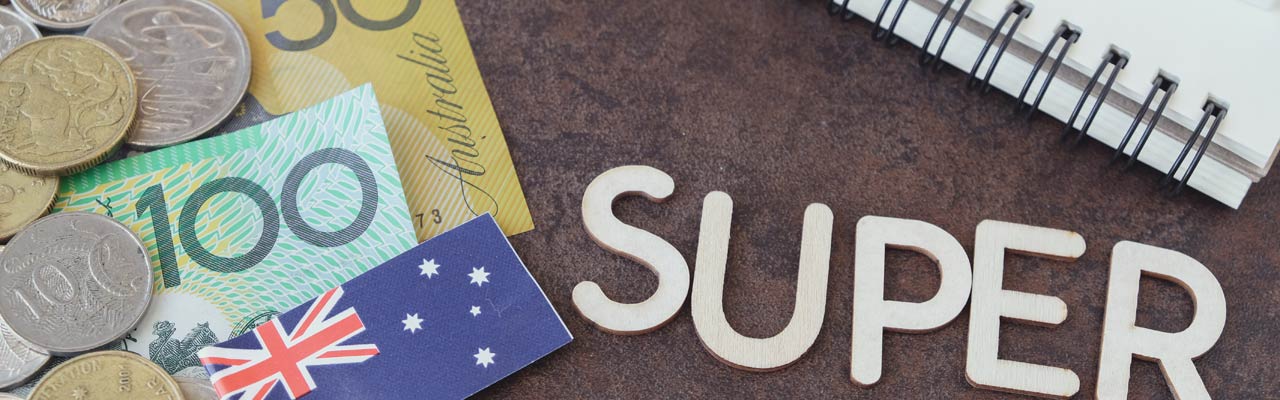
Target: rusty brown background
780 105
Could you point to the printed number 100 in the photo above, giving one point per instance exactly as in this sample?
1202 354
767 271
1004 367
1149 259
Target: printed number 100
153 200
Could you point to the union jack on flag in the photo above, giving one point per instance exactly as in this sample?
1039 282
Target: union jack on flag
442 321
285 357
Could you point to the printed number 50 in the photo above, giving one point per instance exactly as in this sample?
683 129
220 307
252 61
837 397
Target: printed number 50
153 200
330 22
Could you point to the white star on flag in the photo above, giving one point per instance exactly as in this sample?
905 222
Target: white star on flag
484 357
429 268
412 323
475 310
478 276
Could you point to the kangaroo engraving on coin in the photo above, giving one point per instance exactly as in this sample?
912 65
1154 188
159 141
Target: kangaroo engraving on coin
63 14
191 61
107 375
18 360
73 282
66 102
14 31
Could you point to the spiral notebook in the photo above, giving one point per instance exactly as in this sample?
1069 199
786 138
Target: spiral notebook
1203 70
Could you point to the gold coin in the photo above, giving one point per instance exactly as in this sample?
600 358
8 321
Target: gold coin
23 199
107 375
66 102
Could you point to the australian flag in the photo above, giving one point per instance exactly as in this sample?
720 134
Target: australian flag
442 321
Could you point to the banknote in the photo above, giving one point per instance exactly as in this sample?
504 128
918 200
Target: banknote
242 226
445 136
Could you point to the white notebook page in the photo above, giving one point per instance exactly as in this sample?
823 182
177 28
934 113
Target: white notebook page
1228 49
1212 177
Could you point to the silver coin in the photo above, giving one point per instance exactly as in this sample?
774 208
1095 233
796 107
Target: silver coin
15 30
190 58
63 15
19 361
73 282
6 396
196 389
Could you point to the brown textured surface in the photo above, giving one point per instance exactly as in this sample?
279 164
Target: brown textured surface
781 106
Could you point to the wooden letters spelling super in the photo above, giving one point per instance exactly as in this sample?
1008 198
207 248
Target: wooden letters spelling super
872 314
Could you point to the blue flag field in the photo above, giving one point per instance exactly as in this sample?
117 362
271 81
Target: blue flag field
442 321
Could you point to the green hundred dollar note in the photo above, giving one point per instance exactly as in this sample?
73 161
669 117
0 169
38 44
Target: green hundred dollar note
242 226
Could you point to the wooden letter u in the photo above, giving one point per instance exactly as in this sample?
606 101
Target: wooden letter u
726 344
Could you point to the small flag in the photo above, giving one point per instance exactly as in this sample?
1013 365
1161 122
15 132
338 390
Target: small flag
443 321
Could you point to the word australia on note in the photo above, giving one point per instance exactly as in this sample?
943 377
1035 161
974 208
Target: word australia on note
444 133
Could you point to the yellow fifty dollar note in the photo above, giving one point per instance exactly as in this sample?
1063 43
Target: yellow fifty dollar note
453 159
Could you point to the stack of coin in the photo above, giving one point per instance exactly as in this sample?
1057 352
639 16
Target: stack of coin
23 196
192 64
69 103
141 74
14 31
108 374
77 282
63 17
23 199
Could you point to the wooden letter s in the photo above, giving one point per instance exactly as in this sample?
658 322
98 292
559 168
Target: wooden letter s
641 246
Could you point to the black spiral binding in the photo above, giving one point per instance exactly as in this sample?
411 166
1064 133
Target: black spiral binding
840 7
1069 35
925 57
1218 112
1116 59
1161 83
1022 11
878 33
